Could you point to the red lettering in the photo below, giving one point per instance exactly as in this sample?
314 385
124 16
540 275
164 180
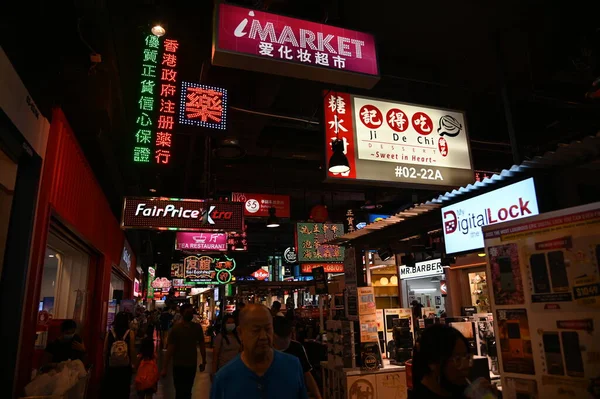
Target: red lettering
513 215
523 206
491 220
502 214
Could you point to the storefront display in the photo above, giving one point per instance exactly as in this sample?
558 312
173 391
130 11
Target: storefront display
545 273
422 283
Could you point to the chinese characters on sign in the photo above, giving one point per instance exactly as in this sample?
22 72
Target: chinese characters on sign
238 241
146 105
167 106
396 142
204 106
206 270
310 238
186 241
257 205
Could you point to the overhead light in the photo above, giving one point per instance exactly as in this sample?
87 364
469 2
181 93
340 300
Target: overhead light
51 256
273 220
158 30
238 249
481 255
338 163
384 281
158 253
424 290
152 190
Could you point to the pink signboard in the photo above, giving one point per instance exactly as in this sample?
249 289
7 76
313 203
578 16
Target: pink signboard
201 241
275 38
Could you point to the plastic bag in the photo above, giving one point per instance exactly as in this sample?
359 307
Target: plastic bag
64 382
41 385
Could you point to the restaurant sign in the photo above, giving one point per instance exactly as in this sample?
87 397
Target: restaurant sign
181 214
205 270
393 142
310 238
264 42
201 242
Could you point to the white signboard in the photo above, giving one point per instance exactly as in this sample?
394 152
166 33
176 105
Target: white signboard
422 269
388 141
463 221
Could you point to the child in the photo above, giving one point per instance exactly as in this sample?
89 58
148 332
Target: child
146 379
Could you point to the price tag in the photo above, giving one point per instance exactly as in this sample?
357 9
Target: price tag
587 294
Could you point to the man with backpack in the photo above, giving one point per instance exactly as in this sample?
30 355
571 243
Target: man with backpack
184 339
119 350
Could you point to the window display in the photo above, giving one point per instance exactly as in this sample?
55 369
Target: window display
479 291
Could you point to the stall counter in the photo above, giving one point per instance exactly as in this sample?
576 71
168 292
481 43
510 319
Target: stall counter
388 382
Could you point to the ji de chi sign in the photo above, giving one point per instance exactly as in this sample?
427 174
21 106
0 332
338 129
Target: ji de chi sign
201 242
392 142
257 205
181 214
264 42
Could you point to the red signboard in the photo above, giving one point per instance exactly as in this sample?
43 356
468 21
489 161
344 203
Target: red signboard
204 106
329 267
263 42
201 242
260 274
258 205
181 214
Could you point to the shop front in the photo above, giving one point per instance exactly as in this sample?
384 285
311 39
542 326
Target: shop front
78 258
23 138
423 283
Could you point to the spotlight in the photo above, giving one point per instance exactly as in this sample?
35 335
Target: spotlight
158 30
273 220
338 163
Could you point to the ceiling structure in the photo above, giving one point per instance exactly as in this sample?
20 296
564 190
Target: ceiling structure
535 57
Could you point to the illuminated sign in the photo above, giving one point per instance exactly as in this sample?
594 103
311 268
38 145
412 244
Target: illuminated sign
329 267
201 241
464 220
259 41
149 289
205 270
168 104
257 205
146 102
125 262
162 282
177 270
422 269
393 142
261 274
181 214
202 105
238 241
310 238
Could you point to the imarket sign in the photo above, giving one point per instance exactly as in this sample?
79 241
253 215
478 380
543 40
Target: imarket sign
463 221
422 269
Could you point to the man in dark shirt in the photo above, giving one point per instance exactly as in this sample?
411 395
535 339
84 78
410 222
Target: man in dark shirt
184 339
282 341
68 345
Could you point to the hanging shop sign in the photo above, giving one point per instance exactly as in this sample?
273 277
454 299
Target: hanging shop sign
162 283
151 276
261 274
392 142
181 214
270 43
238 241
137 292
443 287
328 267
463 221
205 270
310 238
257 205
422 269
186 241
290 255
177 270
204 106
167 107
125 262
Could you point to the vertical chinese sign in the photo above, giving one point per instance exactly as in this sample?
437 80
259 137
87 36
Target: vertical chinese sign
204 106
339 125
167 108
143 128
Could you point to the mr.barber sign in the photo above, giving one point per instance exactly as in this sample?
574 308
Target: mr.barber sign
181 214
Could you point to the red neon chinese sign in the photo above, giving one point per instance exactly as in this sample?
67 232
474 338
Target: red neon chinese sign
167 105
204 106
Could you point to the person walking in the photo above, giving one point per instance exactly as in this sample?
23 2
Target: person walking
146 379
276 309
119 352
260 372
227 345
184 339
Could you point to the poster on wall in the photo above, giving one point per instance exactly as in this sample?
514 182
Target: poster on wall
310 238
558 258
112 311
507 283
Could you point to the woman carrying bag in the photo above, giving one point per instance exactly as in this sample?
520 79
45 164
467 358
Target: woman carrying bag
227 345
119 352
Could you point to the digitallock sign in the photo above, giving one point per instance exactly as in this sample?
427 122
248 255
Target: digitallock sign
264 42
392 142
463 221
181 214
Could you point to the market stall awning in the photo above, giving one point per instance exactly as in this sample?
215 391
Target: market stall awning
576 152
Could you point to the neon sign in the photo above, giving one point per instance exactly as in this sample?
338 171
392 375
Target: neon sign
167 106
143 127
204 106
205 270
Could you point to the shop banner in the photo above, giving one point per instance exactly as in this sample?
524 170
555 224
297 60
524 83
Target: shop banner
394 142
177 270
136 288
422 269
463 221
206 270
181 214
162 283
257 205
350 280
201 242
329 267
270 43
149 289
310 238
545 294
261 274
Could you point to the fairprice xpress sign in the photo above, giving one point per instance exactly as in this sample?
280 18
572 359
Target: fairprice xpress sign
181 214
422 269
